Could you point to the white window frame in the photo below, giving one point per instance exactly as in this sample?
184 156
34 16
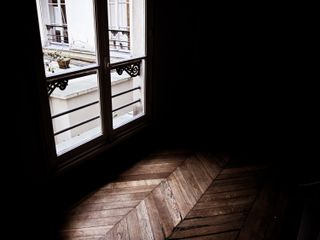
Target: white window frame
120 35
64 39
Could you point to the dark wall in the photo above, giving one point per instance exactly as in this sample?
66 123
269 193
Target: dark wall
205 60
232 73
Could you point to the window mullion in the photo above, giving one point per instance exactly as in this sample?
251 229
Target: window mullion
101 9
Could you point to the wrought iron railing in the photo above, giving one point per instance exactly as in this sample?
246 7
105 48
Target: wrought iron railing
76 125
128 104
57 33
119 39
131 66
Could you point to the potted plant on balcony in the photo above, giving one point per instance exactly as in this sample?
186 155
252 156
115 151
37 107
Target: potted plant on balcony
62 60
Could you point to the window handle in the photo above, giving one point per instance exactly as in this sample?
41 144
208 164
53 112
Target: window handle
106 65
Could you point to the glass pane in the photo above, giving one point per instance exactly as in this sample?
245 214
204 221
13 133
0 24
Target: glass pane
126 29
75 113
63 15
67 34
129 105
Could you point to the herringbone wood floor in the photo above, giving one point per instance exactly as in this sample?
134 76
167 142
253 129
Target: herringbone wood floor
178 195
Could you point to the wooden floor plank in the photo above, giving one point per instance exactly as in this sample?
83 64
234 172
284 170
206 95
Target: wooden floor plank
116 198
247 174
215 220
228 195
185 188
218 160
224 202
183 204
128 184
191 181
153 168
101 213
154 218
166 220
207 212
85 232
206 230
134 231
86 223
211 167
91 207
165 159
220 188
256 225
87 238
237 180
146 176
263 221
220 236
144 222
126 190
242 171
119 231
199 173
171 203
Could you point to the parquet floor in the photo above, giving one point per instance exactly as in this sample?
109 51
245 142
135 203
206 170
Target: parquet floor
177 195
221 212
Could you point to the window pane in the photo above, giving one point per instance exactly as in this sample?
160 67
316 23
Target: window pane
126 29
67 32
128 97
75 113
63 15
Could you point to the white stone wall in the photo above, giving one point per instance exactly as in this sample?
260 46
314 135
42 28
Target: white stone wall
81 27
120 86
137 30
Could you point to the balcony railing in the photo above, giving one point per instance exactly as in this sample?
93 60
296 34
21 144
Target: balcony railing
132 67
128 104
73 110
119 39
57 33
95 117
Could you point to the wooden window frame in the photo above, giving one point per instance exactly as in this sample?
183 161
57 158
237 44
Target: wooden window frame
110 136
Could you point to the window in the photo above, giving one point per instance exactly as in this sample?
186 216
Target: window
94 59
54 19
119 25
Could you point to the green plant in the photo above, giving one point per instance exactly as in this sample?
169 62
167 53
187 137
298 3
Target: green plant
58 56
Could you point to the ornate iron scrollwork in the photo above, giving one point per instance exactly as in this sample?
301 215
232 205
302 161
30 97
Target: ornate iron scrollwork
61 84
133 69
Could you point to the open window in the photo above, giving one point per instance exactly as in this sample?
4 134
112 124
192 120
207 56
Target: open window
95 61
